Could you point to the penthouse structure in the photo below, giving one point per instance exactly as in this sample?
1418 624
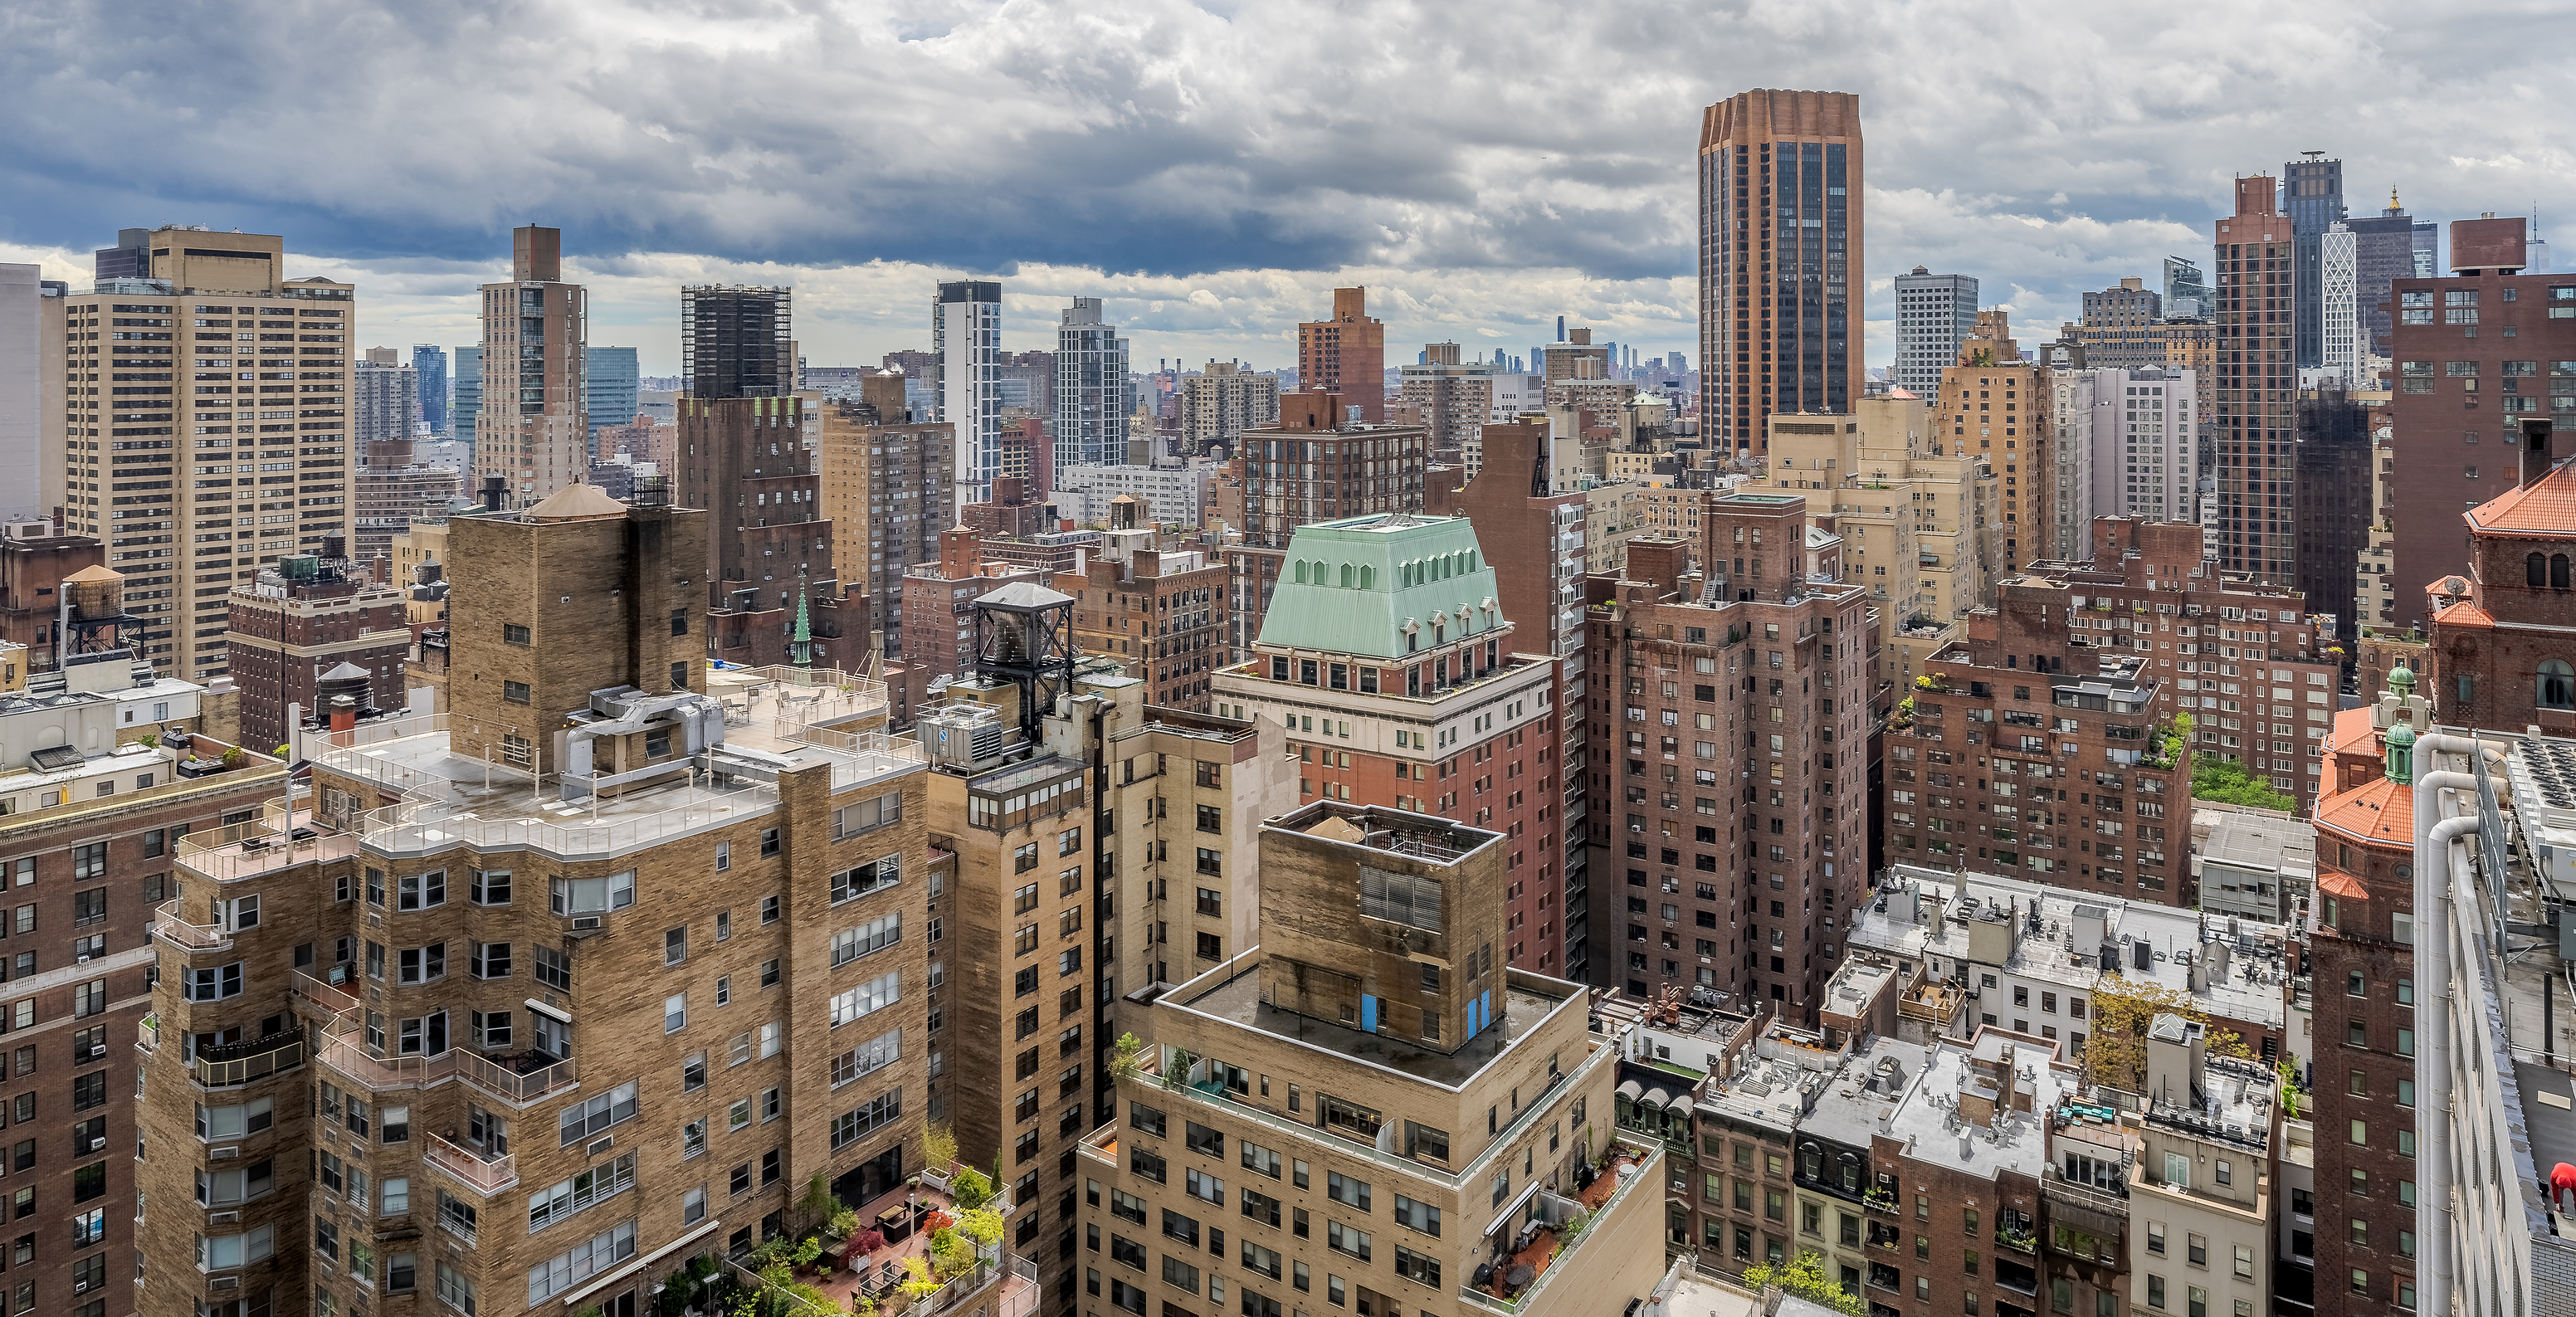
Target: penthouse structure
1372 1051
1345 355
1315 465
2501 650
733 871
1159 613
297 625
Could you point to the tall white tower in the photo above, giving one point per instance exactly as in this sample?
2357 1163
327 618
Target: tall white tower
2339 251
966 338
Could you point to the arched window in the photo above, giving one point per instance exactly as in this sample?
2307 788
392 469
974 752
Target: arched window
2557 684
1348 575
1301 570
1368 577
2558 570
2534 571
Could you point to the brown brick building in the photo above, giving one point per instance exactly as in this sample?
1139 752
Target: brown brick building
2478 354
940 596
879 493
2255 286
1159 613
1346 355
769 546
1313 465
96 818
305 616
2501 656
2361 954
1729 737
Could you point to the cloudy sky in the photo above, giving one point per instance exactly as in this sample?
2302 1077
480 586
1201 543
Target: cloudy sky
1214 170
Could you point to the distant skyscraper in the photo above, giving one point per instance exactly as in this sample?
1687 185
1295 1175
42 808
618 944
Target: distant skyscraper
2312 192
609 385
1346 355
2428 248
966 343
1091 402
530 431
2383 250
736 342
468 400
429 366
387 397
2339 334
1780 248
2257 276
2186 290
1934 314
23 362
130 258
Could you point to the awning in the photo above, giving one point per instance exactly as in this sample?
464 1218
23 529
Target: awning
1658 1097
1630 1089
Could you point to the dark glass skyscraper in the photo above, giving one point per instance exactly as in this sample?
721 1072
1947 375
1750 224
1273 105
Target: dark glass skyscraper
429 364
2313 194
1780 259
735 342
469 399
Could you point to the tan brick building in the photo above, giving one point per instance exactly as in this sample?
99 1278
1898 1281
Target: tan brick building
688 932
1373 1053
880 475
533 432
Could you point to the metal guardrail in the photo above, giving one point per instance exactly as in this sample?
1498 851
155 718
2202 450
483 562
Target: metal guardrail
171 927
1648 1172
484 1177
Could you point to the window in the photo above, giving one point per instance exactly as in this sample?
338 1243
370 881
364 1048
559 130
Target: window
421 891
675 945
872 995
851 943
1347 1191
1343 1239
491 887
576 896
554 968
588 1258
1419 1216
588 1119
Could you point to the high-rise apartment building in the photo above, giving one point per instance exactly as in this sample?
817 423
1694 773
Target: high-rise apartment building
2384 250
258 436
1745 898
1219 403
429 370
2072 414
530 432
1997 405
1155 609
769 547
1453 399
1574 356
1027 381
885 490
2477 355
1780 268
2145 444
966 347
737 341
1314 465
467 399
2257 293
376 1056
1370 1051
609 386
2123 327
1091 397
1536 539
96 815
1345 355
385 398
2312 193
1934 314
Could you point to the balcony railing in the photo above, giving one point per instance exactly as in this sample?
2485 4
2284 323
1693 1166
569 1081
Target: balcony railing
484 1177
1648 1172
345 1054
170 927
239 1063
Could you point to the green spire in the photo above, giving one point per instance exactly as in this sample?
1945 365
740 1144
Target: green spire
2401 681
800 639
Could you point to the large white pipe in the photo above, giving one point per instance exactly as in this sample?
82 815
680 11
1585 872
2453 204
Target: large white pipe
2433 838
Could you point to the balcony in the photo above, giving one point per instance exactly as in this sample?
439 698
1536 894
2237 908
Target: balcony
261 846
1519 1274
232 1064
483 1177
170 927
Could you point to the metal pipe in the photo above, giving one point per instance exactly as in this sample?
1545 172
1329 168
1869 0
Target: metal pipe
2433 894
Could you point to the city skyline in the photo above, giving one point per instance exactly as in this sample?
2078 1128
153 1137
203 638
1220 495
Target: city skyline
1517 199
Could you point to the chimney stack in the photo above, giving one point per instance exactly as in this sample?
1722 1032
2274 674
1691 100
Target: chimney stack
2536 454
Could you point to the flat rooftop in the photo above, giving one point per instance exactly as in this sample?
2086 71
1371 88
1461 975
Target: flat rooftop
2016 1141
1237 1001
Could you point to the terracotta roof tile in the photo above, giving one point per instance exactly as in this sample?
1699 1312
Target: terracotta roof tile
2378 810
2464 613
2547 506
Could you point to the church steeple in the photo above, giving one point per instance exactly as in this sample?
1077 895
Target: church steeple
800 639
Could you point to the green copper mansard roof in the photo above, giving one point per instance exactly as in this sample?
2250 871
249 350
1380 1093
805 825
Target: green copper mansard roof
1382 586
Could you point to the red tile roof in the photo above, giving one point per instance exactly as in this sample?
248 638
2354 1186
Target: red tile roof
2546 506
2351 731
2378 811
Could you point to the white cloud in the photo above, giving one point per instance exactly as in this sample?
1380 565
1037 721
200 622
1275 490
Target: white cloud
1215 170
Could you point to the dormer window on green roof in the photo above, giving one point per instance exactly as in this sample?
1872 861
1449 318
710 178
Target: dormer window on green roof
1382 586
